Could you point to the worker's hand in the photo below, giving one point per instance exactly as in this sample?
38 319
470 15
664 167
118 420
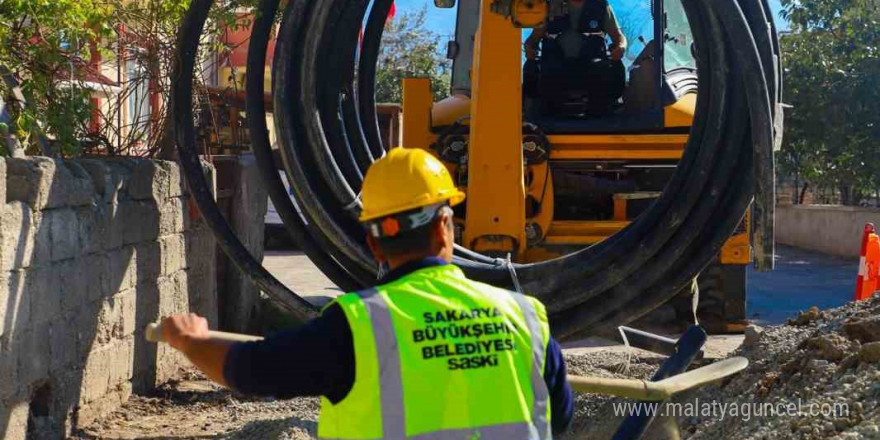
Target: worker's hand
180 331
531 52
617 53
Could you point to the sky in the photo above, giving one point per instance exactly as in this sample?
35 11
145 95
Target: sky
442 21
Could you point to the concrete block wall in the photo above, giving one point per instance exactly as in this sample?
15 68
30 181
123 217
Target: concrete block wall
834 230
91 251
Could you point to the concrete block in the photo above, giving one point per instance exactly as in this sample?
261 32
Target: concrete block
119 173
149 181
42 239
150 260
9 383
115 226
45 183
147 303
16 236
96 375
123 269
127 303
17 186
65 233
4 299
202 291
63 340
200 249
176 181
92 227
211 176
81 187
140 221
45 295
100 175
121 362
97 270
173 253
3 180
85 325
109 324
168 296
183 295
33 354
75 284
14 419
73 294
16 306
172 217
87 414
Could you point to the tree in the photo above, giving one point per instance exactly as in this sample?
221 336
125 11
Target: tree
59 51
410 50
832 58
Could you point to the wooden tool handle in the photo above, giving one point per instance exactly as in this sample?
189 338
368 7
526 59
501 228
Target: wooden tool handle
153 333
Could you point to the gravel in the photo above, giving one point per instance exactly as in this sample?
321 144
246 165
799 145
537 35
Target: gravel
821 361
820 372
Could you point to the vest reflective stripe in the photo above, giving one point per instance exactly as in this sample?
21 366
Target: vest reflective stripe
390 386
387 375
511 431
541 403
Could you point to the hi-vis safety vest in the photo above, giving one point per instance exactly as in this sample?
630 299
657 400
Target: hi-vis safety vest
438 356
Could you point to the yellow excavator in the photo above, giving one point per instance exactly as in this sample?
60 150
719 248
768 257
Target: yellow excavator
603 213
579 178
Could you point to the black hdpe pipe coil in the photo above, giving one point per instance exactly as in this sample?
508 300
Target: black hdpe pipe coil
325 140
182 103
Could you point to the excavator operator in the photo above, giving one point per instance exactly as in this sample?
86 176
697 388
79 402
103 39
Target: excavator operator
575 58
427 354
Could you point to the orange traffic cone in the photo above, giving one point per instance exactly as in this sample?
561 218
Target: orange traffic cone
869 264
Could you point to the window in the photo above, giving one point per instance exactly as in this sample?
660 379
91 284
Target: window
678 37
138 120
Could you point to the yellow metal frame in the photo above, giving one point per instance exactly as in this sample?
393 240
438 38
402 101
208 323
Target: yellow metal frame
495 220
417 103
617 146
738 249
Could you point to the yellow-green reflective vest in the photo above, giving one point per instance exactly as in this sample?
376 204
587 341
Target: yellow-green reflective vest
438 356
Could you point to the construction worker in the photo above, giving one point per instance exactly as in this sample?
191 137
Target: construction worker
575 56
426 354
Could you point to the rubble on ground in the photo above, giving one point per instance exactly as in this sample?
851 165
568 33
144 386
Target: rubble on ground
826 363
828 360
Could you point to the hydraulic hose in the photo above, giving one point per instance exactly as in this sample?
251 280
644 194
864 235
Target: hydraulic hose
324 106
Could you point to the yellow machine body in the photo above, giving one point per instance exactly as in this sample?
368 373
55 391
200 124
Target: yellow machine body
498 183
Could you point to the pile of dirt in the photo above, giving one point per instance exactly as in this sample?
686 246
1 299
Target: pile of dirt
816 377
196 408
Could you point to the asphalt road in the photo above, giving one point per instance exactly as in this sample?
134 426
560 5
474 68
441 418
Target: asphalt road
802 279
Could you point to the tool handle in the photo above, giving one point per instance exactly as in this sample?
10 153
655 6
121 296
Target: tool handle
153 333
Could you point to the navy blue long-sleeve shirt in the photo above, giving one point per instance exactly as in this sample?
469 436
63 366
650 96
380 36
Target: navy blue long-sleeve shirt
317 359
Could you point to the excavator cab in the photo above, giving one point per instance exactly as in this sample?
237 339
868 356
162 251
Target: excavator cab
554 163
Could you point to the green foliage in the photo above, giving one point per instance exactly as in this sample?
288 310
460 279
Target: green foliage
39 42
832 59
48 44
410 50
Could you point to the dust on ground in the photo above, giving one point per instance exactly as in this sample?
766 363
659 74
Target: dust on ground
824 359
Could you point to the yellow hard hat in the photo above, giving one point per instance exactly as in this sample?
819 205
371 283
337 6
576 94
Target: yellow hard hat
406 179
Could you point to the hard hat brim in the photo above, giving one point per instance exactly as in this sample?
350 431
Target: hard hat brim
453 197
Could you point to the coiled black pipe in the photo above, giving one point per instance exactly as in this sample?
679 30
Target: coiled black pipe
261 145
613 282
182 75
